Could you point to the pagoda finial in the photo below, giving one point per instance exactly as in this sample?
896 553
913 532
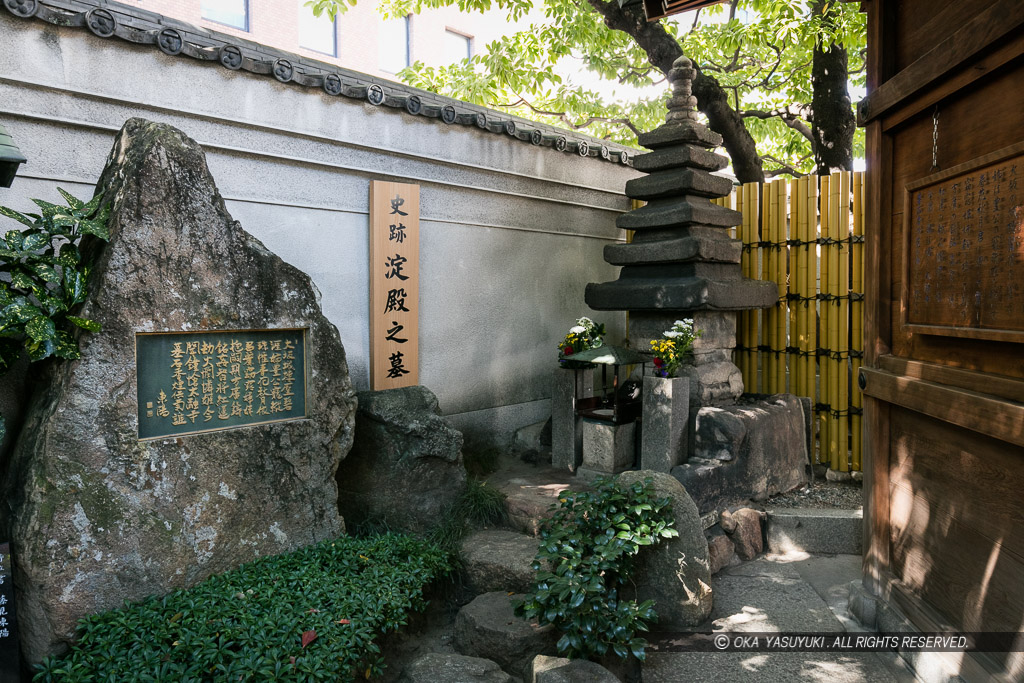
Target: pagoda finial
682 106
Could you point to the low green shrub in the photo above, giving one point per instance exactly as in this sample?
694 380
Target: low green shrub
311 615
588 551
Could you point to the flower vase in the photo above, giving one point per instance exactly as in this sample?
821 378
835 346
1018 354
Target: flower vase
666 413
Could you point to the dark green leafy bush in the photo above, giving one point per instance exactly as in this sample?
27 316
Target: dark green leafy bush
311 615
587 553
43 277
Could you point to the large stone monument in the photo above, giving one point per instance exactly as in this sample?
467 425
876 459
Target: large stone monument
682 261
103 511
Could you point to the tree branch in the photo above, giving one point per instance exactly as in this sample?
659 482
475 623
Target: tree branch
662 49
562 116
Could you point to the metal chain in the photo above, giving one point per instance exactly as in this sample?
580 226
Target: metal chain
935 139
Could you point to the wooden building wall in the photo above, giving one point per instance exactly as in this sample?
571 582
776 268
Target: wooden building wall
944 354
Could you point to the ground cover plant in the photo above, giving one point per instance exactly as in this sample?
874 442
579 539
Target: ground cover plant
311 615
588 552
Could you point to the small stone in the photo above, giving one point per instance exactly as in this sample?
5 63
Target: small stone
748 537
436 667
487 627
546 669
727 522
721 550
857 476
835 475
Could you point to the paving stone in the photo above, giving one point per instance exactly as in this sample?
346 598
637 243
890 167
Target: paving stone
815 531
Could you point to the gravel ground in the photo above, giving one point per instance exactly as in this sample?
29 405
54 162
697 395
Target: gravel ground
821 494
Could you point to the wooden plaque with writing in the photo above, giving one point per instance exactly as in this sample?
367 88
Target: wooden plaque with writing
191 382
394 284
963 251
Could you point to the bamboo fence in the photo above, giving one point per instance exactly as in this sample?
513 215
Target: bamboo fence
806 235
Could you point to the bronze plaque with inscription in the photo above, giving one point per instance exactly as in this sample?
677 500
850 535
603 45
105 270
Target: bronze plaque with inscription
190 382
964 250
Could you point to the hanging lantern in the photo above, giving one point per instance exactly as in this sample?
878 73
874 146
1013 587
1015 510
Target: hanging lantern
10 158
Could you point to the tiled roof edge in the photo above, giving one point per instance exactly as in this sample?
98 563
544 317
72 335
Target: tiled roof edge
175 38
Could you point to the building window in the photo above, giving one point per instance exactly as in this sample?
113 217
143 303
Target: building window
228 12
393 46
457 47
317 33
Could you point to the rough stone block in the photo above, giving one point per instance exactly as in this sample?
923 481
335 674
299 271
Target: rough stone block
566 428
498 560
748 536
721 550
405 467
674 573
862 605
437 667
488 628
815 531
666 414
546 669
607 447
770 458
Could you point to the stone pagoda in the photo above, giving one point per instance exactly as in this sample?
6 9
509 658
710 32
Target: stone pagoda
682 261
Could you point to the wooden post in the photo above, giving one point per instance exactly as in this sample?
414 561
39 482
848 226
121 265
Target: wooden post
857 318
811 235
780 274
768 270
843 343
833 319
824 312
751 193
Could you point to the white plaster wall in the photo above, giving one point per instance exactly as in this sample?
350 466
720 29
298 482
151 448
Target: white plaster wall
510 234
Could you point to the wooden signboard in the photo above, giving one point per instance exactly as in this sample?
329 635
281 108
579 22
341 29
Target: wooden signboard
394 284
964 250
10 668
191 382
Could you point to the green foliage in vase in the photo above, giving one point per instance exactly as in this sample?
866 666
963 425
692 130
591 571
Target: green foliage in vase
43 278
588 552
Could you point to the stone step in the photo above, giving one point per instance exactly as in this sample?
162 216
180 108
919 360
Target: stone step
831 531
531 491
488 628
498 560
